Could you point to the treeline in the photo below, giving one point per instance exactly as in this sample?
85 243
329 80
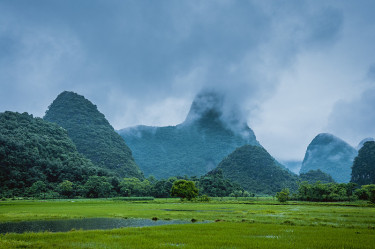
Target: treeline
111 186
331 192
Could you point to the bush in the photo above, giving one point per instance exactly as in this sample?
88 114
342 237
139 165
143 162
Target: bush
283 195
184 189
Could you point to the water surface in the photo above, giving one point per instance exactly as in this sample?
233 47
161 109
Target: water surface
85 224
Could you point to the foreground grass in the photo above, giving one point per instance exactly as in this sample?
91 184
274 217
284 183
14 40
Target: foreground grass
243 224
213 235
335 215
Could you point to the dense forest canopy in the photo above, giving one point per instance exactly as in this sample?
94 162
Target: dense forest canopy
92 134
314 176
363 170
33 150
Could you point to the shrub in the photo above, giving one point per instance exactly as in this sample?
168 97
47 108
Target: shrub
283 195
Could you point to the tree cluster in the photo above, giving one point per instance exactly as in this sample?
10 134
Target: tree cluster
326 192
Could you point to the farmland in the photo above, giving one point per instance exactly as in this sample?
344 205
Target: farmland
234 223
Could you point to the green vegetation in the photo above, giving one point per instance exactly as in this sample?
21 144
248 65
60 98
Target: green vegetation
241 224
215 235
366 192
283 195
326 192
36 156
331 155
92 134
135 187
363 170
184 189
192 148
256 171
314 176
214 184
357 214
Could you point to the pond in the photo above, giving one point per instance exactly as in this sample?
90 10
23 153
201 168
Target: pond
85 224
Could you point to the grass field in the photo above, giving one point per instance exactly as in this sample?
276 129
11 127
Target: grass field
244 223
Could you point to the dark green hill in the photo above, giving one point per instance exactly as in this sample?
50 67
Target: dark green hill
192 148
363 170
32 150
331 155
256 171
314 176
92 134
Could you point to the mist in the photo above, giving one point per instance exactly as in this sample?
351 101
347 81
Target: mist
290 70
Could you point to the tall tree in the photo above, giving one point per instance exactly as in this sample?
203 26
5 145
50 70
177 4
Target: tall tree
184 189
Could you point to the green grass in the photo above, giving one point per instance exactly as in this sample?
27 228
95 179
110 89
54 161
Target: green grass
244 223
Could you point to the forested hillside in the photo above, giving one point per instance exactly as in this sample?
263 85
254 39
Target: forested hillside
35 151
331 155
363 170
256 171
92 134
192 148
314 176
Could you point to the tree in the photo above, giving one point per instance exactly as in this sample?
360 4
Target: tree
363 170
184 189
37 188
66 188
162 188
366 192
97 187
283 195
134 187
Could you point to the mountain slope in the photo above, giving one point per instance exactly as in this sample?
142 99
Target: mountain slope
314 176
363 141
192 148
32 150
331 155
256 171
92 134
364 165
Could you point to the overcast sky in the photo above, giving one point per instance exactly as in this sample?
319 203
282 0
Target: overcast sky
296 68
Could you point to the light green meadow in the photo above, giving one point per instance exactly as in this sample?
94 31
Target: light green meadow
247 223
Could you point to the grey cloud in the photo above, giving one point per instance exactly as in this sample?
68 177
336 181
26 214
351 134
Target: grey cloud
135 59
354 120
371 73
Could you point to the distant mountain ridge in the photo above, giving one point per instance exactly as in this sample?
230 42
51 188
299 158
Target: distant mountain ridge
92 134
194 147
331 155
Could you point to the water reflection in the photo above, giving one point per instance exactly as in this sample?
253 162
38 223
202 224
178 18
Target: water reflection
85 224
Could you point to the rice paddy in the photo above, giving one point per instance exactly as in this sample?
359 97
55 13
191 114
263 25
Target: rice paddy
245 223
